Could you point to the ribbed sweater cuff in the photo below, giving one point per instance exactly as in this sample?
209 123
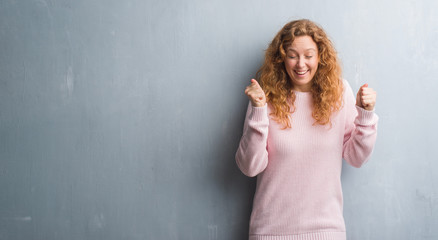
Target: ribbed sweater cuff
259 113
365 117
304 236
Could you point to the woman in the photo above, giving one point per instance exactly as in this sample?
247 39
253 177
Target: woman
302 120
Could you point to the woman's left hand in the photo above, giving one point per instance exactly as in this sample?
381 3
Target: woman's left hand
366 97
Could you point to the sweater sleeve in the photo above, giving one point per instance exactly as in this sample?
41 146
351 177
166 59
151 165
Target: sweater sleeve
252 154
360 131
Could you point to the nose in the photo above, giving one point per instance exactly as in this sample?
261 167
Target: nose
300 63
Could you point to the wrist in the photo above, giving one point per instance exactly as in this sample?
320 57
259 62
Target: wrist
258 104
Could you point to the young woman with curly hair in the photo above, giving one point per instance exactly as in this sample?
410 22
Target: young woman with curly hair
302 120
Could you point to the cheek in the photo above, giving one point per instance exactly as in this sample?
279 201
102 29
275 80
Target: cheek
289 64
315 65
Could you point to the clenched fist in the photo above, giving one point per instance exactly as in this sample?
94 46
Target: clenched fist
255 94
366 98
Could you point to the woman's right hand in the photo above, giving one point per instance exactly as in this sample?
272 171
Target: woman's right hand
255 94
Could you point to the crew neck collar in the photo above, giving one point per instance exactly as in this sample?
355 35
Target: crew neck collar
301 93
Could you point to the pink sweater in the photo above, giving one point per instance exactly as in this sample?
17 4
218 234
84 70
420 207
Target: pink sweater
299 194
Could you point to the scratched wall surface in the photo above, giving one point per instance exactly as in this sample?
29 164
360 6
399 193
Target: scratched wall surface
120 119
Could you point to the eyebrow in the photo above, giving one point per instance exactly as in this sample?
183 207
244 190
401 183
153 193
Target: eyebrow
309 49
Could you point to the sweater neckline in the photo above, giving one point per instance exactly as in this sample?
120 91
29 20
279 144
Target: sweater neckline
301 93
304 95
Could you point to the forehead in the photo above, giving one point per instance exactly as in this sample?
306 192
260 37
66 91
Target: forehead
303 43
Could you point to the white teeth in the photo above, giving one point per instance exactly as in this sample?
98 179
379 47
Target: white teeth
301 72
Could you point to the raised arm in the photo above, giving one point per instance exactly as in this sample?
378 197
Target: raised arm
361 125
252 154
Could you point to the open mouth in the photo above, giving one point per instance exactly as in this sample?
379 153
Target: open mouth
301 73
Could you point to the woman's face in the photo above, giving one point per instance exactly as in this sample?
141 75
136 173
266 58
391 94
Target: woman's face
302 62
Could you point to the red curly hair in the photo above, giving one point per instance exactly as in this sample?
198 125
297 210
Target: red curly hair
326 86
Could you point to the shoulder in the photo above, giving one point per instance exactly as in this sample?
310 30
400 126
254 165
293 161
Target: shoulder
346 86
348 91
